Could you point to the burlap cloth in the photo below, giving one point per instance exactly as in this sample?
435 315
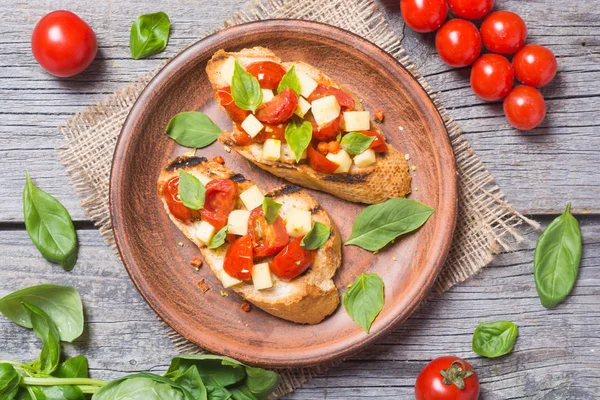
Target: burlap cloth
487 224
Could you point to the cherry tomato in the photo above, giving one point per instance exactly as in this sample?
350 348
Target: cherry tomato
534 65
292 261
458 43
238 259
271 132
503 32
219 201
319 162
471 9
170 190
378 145
268 73
328 131
280 109
241 137
442 378
226 100
524 108
63 44
345 101
492 77
267 238
424 15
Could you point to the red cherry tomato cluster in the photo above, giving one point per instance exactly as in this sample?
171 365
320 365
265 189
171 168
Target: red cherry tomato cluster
503 33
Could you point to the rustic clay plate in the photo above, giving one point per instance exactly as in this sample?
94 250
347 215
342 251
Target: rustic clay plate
151 246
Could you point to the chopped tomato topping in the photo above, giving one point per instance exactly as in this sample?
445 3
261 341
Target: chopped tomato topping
170 190
219 201
344 99
319 162
280 109
292 260
323 148
268 73
267 238
225 99
334 147
378 144
328 131
379 116
241 137
238 259
271 132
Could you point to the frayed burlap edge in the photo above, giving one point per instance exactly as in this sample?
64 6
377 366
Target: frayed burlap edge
487 224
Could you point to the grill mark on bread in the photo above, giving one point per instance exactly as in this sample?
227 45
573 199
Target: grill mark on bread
316 209
282 191
350 178
185 162
239 178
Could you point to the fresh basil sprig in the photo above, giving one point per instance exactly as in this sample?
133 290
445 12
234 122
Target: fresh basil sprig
191 190
356 142
49 226
298 134
245 89
379 224
45 329
75 367
316 237
494 339
9 381
149 34
193 129
290 80
270 209
218 239
364 300
556 259
143 386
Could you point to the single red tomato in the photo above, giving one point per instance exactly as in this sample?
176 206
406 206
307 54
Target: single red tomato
378 145
525 108
471 9
424 15
327 132
226 100
170 191
492 77
267 239
219 201
280 109
292 260
271 131
345 101
535 65
238 259
268 73
63 44
447 378
458 43
503 32
319 162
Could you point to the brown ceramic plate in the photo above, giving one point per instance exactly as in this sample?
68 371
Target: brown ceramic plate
148 241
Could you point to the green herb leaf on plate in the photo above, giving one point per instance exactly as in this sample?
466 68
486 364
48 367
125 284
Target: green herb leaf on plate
316 237
245 89
9 381
298 134
191 190
356 142
75 367
46 331
219 238
379 224
556 259
143 386
290 80
149 35
494 339
270 209
364 300
193 129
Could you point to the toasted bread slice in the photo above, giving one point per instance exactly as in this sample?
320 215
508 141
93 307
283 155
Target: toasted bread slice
307 299
388 177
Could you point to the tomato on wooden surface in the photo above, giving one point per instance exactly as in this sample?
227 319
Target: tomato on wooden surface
447 378
492 77
424 15
226 100
219 201
535 65
279 109
471 9
319 162
525 108
170 191
238 259
503 32
292 260
345 101
458 43
268 73
267 239
378 145
271 131
63 44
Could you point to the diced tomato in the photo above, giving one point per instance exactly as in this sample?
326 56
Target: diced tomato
219 201
268 73
238 259
241 137
225 99
292 260
328 131
344 99
319 162
280 109
267 238
170 190
271 132
378 145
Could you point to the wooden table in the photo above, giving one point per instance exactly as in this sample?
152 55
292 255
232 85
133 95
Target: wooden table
557 352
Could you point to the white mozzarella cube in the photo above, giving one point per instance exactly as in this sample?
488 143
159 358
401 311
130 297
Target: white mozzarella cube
227 280
225 73
252 126
267 95
298 222
288 155
237 223
365 158
342 159
307 84
357 121
272 150
205 232
252 197
302 108
261 276
325 109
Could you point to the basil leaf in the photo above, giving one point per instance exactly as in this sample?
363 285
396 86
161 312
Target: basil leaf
191 191
494 339
149 35
218 239
214 370
218 393
46 331
298 134
270 209
316 237
556 259
192 382
241 393
76 367
290 80
49 226
245 89
193 129
261 382
379 224
356 142
61 303
364 300
142 386
58 393
9 381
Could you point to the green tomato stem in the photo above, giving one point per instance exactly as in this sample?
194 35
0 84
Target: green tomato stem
62 381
